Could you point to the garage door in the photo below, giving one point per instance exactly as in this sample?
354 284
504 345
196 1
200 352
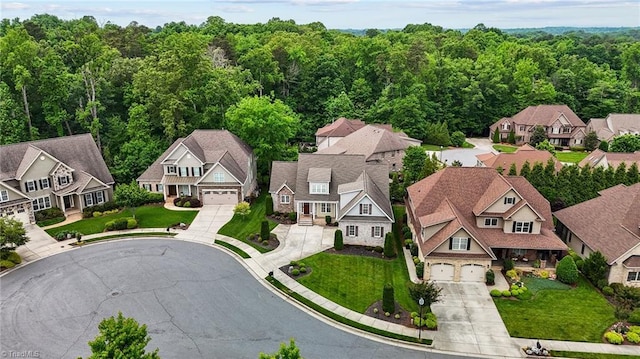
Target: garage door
224 196
442 271
472 273
20 215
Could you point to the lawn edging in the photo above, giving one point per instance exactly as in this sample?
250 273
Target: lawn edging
231 247
340 319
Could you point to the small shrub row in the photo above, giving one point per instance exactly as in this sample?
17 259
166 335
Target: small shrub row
614 338
428 320
9 259
187 202
107 206
49 213
105 213
298 268
5 264
63 235
120 224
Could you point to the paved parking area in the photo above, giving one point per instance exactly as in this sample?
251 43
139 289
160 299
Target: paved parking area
207 223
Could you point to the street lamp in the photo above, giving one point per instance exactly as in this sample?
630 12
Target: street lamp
421 303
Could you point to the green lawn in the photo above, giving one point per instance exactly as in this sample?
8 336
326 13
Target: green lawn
152 216
433 147
578 314
563 354
467 145
356 282
573 156
505 148
50 221
240 228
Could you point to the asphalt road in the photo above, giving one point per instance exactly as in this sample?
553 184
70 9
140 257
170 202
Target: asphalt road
196 301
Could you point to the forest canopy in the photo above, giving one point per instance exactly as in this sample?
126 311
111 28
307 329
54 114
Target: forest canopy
137 89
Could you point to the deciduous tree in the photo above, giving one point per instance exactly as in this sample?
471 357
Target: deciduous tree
12 234
121 337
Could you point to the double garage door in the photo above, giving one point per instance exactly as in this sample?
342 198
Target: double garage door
468 272
219 196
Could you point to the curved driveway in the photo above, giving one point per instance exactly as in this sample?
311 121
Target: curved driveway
196 301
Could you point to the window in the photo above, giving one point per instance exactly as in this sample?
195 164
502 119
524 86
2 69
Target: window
63 180
376 231
31 186
88 199
459 243
285 199
566 130
522 128
633 277
522 227
519 252
352 231
159 187
147 186
44 183
490 222
325 207
4 196
506 126
218 177
184 171
171 169
197 171
319 188
41 203
509 200
100 196
578 141
365 208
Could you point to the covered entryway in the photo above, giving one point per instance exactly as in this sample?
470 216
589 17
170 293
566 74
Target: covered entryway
442 271
472 273
219 196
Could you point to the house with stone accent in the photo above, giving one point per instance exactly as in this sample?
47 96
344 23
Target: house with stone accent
65 172
518 158
215 166
351 191
466 219
609 224
563 127
379 144
615 124
599 158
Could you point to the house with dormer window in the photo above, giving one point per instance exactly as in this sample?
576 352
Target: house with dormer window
215 166
66 172
351 191
466 219
563 127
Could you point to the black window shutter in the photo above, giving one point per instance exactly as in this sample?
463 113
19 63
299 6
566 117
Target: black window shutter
360 208
468 244
40 183
356 231
26 188
370 208
59 181
450 243
372 231
505 200
514 227
530 227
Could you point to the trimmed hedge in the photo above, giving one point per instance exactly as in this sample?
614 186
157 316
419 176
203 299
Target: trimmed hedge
567 271
496 293
490 277
7 264
338 243
388 299
121 224
420 270
268 203
49 213
14 257
389 246
614 338
107 206
189 202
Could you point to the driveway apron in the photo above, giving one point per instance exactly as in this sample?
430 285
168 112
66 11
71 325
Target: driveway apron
207 223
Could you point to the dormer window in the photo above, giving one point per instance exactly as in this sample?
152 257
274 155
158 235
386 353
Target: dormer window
490 222
171 169
509 200
522 227
506 126
319 188
365 208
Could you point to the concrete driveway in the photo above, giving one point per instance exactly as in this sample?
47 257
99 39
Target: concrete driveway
207 223
469 322
40 244
297 242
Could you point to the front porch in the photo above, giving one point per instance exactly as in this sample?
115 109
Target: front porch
310 213
527 258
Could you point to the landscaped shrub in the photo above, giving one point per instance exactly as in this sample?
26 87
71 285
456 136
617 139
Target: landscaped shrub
514 287
608 291
7 264
431 324
490 277
293 216
397 316
107 206
63 235
14 257
595 269
495 293
602 283
579 264
633 337
567 271
132 223
613 337
110 226
420 270
388 300
97 214
515 292
413 249
154 197
182 202
508 264
296 272
303 269
268 205
506 293
634 329
634 317
338 243
378 249
544 274
186 204
408 236
264 230
49 213
512 274
389 247
416 260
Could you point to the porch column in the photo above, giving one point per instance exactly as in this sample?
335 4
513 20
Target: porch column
61 204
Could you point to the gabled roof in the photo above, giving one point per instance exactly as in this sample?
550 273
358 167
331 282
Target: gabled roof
368 188
522 155
210 147
340 128
79 152
473 189
608 223
283 174
544 115
615 124
322 175
370 140
614 159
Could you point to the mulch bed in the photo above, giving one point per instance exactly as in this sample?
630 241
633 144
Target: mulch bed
281 219
285 270
273 241
613 329
405 317
366 251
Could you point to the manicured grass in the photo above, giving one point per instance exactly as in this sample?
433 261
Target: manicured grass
505 148
467 145
356 282
341 319
240 228
50 221
581 355
572 157
126 235
535 284
151 216
233 248
433 147
578 314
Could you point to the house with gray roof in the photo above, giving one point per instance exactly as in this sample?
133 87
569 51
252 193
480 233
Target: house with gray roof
379 144
215 166
609 224
66 172
615 124
599 158
351 191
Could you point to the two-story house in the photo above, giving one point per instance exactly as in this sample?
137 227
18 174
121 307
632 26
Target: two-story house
599 158
615 124
610 224
330 134
66 172
214 166
464 218
377 143
346 188
563 127
522 155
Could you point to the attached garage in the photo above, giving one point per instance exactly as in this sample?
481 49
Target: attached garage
442 271
472 273
219 196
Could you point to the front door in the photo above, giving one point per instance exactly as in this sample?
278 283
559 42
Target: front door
68 202
172 191
306 208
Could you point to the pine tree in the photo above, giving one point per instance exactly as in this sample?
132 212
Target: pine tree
620 174
388 300
591 141
389 248
496 136
598 178
604 146
536 177
525 171
512 137
633 176
513 170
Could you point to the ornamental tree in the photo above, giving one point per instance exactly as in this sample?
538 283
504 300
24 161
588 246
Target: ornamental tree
12 234
121 337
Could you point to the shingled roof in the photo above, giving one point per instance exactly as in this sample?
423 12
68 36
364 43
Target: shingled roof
544 115
608 223
615 124
79 152
370 140
613 159
522 155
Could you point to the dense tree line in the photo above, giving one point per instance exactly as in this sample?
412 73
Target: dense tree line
137 89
